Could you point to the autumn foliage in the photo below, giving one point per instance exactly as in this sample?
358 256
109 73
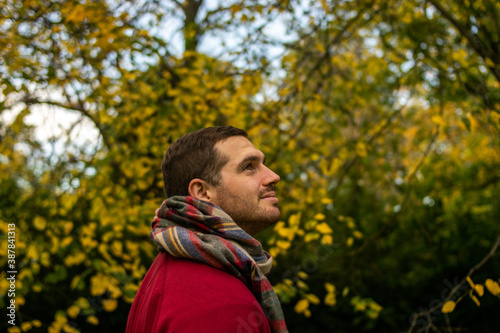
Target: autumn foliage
381 117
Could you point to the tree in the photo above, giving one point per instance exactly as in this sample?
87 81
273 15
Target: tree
382 120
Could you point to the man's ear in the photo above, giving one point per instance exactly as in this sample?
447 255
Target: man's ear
201 190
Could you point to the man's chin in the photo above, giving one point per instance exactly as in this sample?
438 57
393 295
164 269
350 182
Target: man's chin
274 215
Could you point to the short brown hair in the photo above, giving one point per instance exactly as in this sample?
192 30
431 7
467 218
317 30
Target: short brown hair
194 156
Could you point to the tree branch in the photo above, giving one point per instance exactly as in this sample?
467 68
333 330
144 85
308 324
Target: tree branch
71 107
475 44
427 313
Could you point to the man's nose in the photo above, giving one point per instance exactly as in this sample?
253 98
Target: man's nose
271 177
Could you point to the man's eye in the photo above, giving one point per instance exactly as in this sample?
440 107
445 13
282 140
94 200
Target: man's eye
248 167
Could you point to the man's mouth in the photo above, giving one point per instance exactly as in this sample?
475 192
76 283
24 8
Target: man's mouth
270 196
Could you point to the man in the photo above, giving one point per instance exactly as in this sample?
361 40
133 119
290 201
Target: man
210 274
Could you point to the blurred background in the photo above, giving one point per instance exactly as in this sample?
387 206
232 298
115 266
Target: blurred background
381 117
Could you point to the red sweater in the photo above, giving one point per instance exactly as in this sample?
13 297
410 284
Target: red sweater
180 295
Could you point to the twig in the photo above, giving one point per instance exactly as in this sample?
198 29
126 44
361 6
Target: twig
428 312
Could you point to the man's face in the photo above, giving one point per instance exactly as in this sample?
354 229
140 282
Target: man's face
246 190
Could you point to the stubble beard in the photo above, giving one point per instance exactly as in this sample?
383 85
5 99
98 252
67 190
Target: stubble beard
251 219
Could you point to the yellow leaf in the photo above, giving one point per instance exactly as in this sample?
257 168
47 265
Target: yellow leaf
294 219
319 217
77 15
326 201
320 47
474 298
361 149
301 306
470 282
274 251
73 311
493 287
45 259
495 116
332 167
93 320
117 248
284 232
327 239
39 222
474 124
375 306
82 303
300 85
329 287
350 241
310 224
302 285
311 236
235 8
489 62
74 281
279 225
109 305
324 5
26 326
357 234
66 241
14 329
68 226
460 56
330 299
69 329
448 307
283 244
60 318
438 120
324 228
479 289
98 284
313 298
20 300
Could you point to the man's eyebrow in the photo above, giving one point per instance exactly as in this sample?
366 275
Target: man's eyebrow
251 158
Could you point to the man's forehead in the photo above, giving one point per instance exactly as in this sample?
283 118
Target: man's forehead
238 147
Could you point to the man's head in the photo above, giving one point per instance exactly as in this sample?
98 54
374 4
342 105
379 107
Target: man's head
220 165
194 156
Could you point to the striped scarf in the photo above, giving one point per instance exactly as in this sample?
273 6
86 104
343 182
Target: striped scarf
189 228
